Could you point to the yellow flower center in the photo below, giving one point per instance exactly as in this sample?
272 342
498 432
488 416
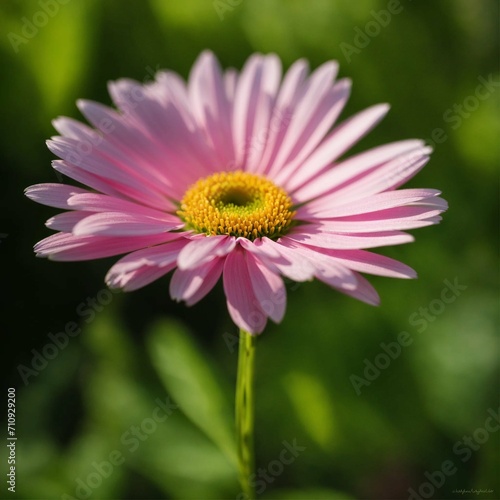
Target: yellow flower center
237 204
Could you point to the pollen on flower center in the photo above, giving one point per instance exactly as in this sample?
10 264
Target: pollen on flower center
237 204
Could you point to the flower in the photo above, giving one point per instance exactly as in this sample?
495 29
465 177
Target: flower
234 175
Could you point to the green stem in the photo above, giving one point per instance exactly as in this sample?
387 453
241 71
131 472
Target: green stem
245 412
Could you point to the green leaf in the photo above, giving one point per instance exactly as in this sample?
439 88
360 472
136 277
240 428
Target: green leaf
189 378
313 407
135 419
172 453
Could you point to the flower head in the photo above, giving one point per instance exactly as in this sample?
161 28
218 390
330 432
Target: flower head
234 175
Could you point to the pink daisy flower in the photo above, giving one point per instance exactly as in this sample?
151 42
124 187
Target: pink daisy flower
234 175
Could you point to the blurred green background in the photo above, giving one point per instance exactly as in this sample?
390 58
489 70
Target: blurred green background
102 396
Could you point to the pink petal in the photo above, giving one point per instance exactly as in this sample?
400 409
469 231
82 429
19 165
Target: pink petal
327 269
280 258
155 256
67 247
191 285
127 95
413 211
282 113
310 108
171 89
374 203
52 194
338 142
203 249
312 235
89 159
66 221
73 129
208 283
310 97
144 266
372 263
354 167
389 176
255 88
132 140
242 304
97 164
95 202
176 140
323 111
263 119
268 288
364 291
110 187
124 224
132 152
87 146
139 278
210 105
398 218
